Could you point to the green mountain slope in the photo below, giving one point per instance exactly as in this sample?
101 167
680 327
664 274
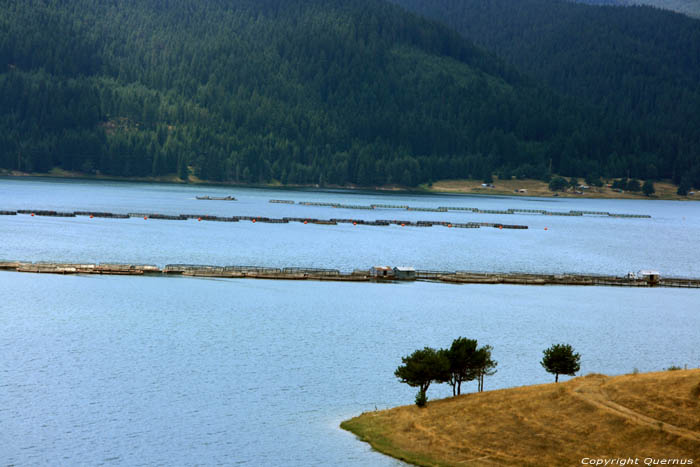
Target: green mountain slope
688 7
638 65
355 91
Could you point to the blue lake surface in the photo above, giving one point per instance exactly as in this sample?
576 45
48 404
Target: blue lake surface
666 242
180 371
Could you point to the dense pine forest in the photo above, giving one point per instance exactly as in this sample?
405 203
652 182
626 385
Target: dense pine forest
342 92
638 66
688 7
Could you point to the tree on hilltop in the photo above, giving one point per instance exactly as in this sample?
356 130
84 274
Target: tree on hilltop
560 359
421 368
461 360
483 365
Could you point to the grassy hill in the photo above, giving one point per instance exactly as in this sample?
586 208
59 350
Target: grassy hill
638 415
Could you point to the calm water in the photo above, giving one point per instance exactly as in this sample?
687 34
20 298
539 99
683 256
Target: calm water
154 371
667 242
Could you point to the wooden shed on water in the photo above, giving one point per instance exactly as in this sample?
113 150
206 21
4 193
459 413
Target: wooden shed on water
405 273
381 272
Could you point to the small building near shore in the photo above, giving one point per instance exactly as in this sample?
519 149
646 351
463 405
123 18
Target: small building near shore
650 276
405 273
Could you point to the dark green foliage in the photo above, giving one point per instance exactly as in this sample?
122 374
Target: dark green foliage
461 357
684 187
558 184
483 365
302 92
648 188
620 184
688 7
421 398
423 367
634 185
594 180
468 363
332 92
637 68
560 359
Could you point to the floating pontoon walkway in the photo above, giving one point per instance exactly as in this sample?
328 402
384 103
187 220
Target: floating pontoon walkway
283 220
358 275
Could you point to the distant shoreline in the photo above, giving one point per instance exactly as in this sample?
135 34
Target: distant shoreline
521 188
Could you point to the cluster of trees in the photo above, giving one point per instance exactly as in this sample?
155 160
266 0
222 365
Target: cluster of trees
302 92
635 186
464 361
558 183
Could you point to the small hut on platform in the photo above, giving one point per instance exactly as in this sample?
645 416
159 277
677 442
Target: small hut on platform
650 276
405 273
381 272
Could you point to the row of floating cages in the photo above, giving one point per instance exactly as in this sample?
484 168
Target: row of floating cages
284 220
216 198
389 206
432 274
509 211
51 213
43 212
315 203
641 278
106 215
312 271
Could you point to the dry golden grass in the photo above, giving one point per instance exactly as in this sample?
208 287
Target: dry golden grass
644 415
664 190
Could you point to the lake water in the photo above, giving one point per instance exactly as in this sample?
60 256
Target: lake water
155 370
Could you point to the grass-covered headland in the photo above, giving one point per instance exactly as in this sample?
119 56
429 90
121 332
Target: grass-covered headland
650 417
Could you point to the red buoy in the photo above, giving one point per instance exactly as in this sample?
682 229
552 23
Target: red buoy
354 223
199 219
145 218
545 228
32 214
403 225
253 221
500 227
449 225
91 216
304 222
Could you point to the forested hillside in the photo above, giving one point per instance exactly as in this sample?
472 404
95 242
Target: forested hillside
639 65
688 7
329 92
